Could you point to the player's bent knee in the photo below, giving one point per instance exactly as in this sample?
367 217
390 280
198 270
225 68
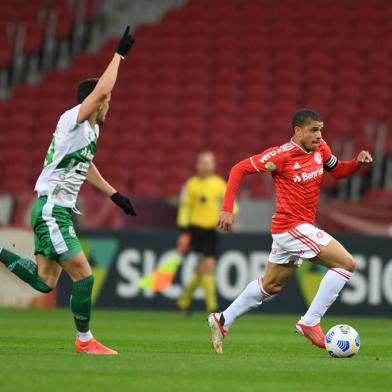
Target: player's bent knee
351 264
77 268
348 263
272 288
88 282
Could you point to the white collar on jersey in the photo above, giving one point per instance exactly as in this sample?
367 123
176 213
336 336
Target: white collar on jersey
295 144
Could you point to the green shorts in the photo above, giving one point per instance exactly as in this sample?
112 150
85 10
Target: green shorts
54 232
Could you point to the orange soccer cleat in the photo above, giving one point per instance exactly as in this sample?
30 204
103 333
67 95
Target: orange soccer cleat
315 334
93 347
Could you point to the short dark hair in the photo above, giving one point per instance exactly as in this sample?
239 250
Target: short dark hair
304 115
203 151
85 88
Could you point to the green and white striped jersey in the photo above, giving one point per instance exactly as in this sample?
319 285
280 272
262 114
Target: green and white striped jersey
68 159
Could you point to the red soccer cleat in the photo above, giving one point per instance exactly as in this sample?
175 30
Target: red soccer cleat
93 347
315 334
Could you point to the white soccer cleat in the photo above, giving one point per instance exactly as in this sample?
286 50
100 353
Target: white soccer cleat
218 332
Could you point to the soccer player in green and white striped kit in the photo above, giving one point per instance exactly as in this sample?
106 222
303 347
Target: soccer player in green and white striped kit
67 165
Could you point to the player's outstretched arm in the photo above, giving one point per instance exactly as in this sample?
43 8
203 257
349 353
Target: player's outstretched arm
226 217
344 169
106 81
95 178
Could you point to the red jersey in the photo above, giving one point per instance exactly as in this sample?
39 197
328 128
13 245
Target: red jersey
297 176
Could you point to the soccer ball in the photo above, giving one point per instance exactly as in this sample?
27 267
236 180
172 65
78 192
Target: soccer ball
342 341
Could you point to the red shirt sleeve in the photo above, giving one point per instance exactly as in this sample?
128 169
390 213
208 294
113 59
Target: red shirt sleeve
338 169
344 169
271 160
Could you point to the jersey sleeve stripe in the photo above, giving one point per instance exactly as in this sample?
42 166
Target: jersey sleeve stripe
251 160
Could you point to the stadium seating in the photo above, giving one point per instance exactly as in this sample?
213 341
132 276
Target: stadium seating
33 14
223 74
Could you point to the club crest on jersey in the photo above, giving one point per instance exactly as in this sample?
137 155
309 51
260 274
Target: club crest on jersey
270 166
317 158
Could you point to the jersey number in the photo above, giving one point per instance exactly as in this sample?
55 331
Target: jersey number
50 153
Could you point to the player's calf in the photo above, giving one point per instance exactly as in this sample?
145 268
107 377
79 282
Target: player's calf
341 266
253 296
348 264
25 269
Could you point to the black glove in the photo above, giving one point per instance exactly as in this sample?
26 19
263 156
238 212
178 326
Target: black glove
125 43
124 203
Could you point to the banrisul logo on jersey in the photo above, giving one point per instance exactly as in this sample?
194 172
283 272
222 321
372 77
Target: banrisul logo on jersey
306 176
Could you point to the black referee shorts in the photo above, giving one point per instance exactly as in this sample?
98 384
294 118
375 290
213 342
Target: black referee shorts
203 241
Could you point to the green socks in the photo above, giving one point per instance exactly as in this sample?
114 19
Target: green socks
27 270
81 302
24 269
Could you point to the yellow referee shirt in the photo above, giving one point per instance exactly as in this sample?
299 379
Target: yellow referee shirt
201 201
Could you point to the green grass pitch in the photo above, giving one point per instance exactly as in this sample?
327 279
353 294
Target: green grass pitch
166 352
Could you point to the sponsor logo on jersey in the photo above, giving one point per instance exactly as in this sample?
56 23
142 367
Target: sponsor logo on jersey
83 166
270 166
287 147
87 154
270 154
296 166
308 175
71 232
317 158
313 174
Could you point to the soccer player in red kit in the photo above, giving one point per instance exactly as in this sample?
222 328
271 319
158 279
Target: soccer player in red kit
297 169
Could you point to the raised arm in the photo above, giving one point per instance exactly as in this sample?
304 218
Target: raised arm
106 81
95 178
343 169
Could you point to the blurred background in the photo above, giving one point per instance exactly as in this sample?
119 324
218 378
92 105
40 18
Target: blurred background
227 75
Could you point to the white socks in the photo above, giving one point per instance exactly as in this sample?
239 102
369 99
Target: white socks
330 287
252 297
85 336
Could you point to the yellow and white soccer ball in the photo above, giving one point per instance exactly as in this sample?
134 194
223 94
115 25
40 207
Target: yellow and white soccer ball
342 341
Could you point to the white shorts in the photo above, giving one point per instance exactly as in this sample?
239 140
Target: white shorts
298 244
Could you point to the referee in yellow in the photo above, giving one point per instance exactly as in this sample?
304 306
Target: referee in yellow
200 203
